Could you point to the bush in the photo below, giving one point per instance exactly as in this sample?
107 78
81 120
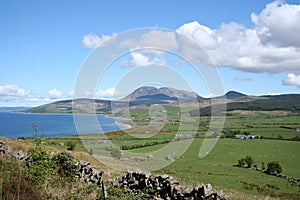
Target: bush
246 162
71 145
65 166
116 153
249 161
274 168
241 162
13 183
39 166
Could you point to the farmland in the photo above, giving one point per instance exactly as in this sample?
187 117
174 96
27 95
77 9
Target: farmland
279 143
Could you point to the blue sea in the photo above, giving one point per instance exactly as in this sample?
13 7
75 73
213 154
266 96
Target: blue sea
15 125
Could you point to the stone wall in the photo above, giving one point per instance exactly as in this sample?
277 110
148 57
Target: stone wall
157 186
151 185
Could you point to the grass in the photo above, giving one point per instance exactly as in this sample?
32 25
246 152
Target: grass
217 167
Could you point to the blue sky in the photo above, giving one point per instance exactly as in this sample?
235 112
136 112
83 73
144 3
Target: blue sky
254 43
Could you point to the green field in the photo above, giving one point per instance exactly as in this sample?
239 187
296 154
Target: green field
216 168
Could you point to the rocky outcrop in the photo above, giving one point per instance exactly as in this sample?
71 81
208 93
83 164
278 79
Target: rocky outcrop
4 150
20 155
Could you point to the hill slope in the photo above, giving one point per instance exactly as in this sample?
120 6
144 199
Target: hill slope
146 96
286 102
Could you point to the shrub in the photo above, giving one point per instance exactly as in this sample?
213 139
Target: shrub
249 161
65 166
241 162
116 153
13 183
274 168
246 162
39 166
71 145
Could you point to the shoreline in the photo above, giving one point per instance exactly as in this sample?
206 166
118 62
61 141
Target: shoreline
116 124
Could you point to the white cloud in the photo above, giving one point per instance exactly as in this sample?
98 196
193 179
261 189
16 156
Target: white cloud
70 94
158 39
292 79
92 40
272 46
143 59
278 24
210 95
54 94
13 92
13 95
242 79
110 93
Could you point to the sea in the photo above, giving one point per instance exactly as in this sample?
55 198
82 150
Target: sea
18 124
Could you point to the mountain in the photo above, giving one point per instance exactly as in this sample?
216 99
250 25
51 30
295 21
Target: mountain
143 96
286 102
234 95
165 93
180 94
146 96
80 106
143 93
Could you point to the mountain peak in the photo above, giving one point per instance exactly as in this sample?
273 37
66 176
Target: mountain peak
234 95
141 92
164 93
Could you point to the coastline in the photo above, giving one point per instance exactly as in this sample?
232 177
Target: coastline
119 123
22 124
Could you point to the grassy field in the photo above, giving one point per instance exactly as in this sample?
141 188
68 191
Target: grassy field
277 128
216 167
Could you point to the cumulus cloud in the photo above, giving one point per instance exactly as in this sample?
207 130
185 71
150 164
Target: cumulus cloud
13 92
143 59
154 38
272 46
242 79
54 94
110 93
92 40
292 80
278 24
13 95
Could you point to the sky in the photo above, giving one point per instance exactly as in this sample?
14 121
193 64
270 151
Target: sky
253 44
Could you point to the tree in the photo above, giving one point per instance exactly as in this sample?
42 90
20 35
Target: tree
36 135
249 161
274 168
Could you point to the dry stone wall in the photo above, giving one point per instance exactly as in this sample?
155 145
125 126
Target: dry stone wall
153 186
